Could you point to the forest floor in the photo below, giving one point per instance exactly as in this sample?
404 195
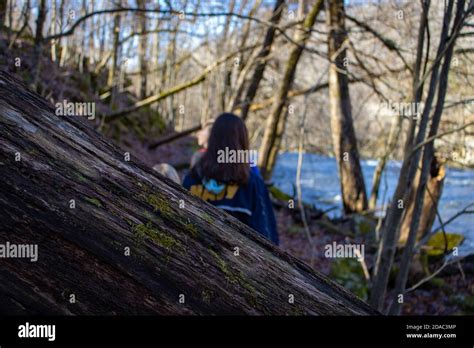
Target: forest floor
450 293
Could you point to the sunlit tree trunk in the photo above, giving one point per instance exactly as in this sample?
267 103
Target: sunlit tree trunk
261 62
54 46
142 50
434 189
63 41
390 232
92 30
389 148
10 17
353 193
26 20
246 34
276 121
38 43
428 154
226 71
83 49
113 72
103 33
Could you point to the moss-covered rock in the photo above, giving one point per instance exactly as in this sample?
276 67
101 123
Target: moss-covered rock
436 245
279 194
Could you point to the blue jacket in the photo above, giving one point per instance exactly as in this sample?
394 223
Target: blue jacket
249 203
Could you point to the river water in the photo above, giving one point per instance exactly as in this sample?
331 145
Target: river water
320 186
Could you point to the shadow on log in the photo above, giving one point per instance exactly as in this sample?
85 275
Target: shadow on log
70 191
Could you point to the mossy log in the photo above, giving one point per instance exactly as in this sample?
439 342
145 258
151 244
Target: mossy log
114 237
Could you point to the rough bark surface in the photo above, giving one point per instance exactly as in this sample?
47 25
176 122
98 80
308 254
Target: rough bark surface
119 204
434 189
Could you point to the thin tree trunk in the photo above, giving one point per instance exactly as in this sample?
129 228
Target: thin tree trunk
142 50
10 19
54 46
103 33
38 43
246 33
276 122
92 30
127 245
155 51
387 247
299 191
261 62
206 102
226 72
434 188
354 197
113 77
26 20
428 154
3 13
64 40
245 61
170 76
390 231
389 148
81 54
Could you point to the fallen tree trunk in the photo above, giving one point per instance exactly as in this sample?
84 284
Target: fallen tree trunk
69 191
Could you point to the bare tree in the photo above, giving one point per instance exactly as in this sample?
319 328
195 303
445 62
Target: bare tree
26 19
113 71
392 141
434 189
386 250
413 150
54 19
63 40
261 63
92 31
38 43
142 50
226 71
276 122
354 197
428 154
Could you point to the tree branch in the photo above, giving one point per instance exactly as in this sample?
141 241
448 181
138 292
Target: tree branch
176 89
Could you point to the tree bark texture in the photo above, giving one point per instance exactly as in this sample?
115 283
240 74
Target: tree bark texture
434 189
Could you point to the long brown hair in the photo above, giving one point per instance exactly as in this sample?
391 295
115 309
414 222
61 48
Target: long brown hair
230 132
